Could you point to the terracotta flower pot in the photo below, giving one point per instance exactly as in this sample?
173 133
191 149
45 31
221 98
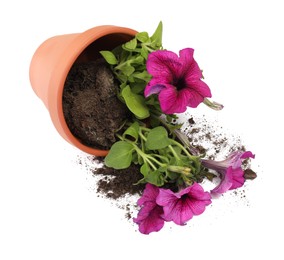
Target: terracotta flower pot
52 61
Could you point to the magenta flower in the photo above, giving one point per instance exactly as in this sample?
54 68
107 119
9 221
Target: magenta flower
182 206
230 170
149 217
177 80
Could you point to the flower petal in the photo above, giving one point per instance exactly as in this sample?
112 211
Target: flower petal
172 101
247 154
149 218
198 199
197 207
190 68
225 183
153 89
198 91
174 208
150 194
197 192
179 212
163 64
182 206
238 178
165 197
235 159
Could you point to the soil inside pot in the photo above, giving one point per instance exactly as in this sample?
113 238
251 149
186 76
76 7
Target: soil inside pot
91 108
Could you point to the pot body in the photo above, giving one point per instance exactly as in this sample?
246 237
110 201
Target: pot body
53 60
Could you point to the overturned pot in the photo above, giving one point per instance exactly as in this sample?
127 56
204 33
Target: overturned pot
53 60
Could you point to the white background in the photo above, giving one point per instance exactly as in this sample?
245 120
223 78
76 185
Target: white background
48 209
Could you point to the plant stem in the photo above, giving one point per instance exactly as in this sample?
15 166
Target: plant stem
184 150
155 160
148 48
144 156
142 136
174 152
120 137
164 158
145 129
150 163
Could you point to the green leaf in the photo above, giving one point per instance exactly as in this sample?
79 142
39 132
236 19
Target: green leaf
121 77
155 177
157 138
135 103
124 55
109 57
157 36
140 159
123 85
142 75
152 100
137 60
163 169
154 121
172 175
131 45
138 87
120 155
127 70
131 133
145 169
144 52
135 158
142 36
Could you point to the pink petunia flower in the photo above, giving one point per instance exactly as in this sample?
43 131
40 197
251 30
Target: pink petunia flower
149 217
182 206
230 170
176 79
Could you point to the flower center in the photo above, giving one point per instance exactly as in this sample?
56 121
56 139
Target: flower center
184 197
180 83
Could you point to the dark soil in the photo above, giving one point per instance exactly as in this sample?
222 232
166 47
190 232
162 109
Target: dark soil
91 108
118 183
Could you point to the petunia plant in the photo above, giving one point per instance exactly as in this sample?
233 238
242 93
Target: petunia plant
156 85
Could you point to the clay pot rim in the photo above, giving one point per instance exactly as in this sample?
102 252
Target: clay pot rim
61 70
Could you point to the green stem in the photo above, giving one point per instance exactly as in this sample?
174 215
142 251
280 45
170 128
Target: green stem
174 152
148 48
143 146
120 137
164 158
142 136
144 157
155 160
150 163
184 150
145 129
